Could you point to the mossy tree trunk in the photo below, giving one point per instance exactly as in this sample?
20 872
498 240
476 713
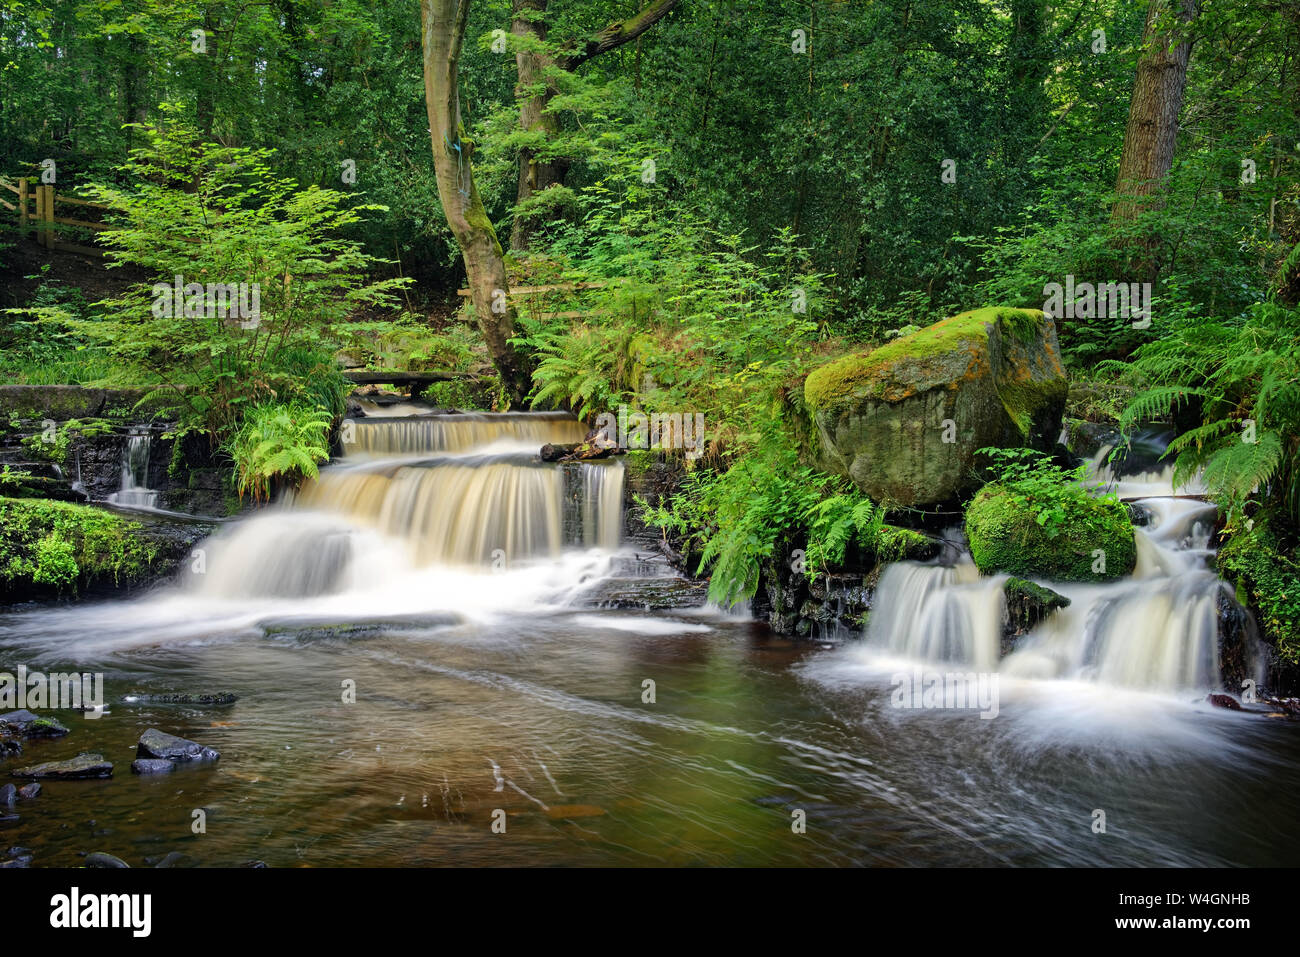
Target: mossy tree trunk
1158 91
443 32
536 88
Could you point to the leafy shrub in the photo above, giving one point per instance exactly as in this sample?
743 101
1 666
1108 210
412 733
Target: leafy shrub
1038 520
61 545
278 444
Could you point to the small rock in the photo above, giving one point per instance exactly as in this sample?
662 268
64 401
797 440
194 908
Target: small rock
29 792
8 795
159 744
255 864
16 863
100 859
152 766
1224 701
31 725
80 767
218 697
173 859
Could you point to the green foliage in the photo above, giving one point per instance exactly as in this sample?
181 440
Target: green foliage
1244 376
215 214
64 546
278 444
1268 580
1038 520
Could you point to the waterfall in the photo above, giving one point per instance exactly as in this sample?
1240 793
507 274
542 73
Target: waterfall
134 491
413 435
466 490
938 614
1157 630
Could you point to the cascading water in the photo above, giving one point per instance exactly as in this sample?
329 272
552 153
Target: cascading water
134 491
1157 630
461 491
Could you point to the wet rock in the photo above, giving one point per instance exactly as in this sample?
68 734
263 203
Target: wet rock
31 725
83 766
8 795
17 862
172 859
205 698
1224 701
648 594
9 747
254 864
1027 604
29 792
152 766
102 860
159 744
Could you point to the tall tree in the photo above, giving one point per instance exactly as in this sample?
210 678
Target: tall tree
443 35
1152 128
535 62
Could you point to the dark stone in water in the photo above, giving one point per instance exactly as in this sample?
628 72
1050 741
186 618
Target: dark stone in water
1028 603
254 864
29 792
8 795
647 594
31 725
172 859
1223 701
314 628
9 747
100 859
152 766
159 744
81 767
216 698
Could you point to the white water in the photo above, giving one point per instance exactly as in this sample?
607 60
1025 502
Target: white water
134 491
1156 631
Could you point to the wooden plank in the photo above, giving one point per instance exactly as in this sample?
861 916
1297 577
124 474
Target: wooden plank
532 290
80 222
8 185
369 377
74 248
8 205
80 202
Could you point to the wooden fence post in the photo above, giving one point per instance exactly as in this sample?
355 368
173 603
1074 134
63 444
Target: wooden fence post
47 238
22 207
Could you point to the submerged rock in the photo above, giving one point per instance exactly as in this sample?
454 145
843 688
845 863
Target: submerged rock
31 725
157 744
1224 701
8 795
152 766
906 420
205 698
102 860
81 767
29 792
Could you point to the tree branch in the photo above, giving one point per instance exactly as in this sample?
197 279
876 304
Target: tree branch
619 32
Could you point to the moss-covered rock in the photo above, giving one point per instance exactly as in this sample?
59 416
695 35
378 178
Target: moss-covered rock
1093 540
1267 580
905 421
56 548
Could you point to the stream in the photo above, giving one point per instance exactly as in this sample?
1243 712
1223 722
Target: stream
449 577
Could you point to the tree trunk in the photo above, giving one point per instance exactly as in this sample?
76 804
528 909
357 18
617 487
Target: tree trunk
443 29
534 175
1153 112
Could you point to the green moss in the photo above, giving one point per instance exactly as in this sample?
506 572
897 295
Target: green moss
895 544
63 546
1089 540
842 379
1267 579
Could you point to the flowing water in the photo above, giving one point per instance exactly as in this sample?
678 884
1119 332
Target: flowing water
134 491
445 573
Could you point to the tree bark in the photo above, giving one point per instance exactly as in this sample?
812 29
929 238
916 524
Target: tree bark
534 175
1152 128
443 31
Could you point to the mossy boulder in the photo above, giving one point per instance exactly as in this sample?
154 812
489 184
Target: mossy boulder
906 420
1093 539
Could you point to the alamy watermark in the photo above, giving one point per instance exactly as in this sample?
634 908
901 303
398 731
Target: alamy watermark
950 691
59 691
240 301
654 430
1115 300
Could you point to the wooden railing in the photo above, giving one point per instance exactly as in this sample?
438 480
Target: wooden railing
44 217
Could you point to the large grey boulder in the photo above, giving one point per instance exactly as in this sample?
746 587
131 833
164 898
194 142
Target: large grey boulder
906 420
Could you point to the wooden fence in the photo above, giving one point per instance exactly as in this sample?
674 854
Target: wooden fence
42 219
